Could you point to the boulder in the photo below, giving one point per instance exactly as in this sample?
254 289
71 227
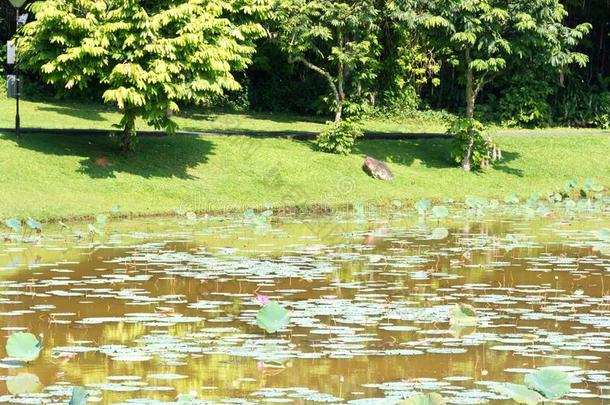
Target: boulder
377 169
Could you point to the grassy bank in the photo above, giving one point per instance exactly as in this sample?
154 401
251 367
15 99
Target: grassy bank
92 116
54 176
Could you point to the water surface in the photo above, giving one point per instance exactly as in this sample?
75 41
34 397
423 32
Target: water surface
161 307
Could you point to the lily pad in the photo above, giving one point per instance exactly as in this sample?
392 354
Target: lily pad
23 383
423 206
79 396
272 317
33 224
440 211
553 384
425 399
519 393
23 346
463 314
14 224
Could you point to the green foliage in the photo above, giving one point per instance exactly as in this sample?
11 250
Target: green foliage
339 139
525 100
148 57
472 134
334 39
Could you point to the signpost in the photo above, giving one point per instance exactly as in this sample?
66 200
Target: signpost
12 56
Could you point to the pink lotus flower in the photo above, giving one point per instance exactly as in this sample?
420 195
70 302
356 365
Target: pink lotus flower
262 299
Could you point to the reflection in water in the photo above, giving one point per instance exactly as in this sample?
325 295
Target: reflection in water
162 307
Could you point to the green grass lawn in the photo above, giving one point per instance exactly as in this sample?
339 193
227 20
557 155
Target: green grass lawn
75 115
91 116
50 176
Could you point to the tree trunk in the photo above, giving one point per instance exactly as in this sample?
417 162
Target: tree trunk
470 99
128 134
338 112
339 95
337 88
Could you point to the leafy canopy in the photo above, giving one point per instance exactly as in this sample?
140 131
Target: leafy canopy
148 56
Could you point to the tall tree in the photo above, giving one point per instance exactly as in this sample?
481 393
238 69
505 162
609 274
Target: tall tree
148 56
477 36
336 39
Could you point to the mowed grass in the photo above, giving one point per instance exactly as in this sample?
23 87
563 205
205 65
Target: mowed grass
51 176
75 115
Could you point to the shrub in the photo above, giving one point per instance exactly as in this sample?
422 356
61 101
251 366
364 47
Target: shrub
484 151
339 138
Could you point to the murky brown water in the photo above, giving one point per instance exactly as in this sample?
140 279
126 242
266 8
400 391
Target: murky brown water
158 308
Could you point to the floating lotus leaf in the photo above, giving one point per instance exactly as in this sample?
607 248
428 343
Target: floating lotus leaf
14 224
553 384
604 235
94 231
23 383
425 399
23 346
440 211
272 317
101 219
519 393
463 314
439 233
476 202
79 396
186 398
33 224
512 199
423 206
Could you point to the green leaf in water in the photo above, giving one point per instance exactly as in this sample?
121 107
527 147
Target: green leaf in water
79 396
23 383
186 398
474 202
440 211
425 399
604 235
439 233
33 224
272 317
14 224
570 185
94 231
23 346
512 199
553 384
423 206
101 219
519 393
463 314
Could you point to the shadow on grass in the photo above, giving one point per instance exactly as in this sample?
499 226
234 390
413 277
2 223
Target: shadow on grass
211 116
432 153
164 157
83 111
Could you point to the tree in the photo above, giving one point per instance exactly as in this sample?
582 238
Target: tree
477 36
147 55
336 39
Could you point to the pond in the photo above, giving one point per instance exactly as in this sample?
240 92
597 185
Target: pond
147 311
